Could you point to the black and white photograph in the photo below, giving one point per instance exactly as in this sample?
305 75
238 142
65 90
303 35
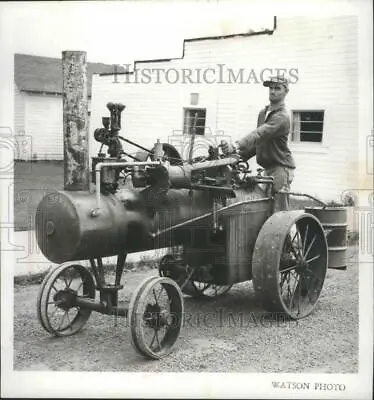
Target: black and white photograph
186 199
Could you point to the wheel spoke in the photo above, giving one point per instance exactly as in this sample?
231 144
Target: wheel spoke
299 243
61 321
54 312
310 246
66 282
288 284
313 258
294 252
283 280
71 280
158 342
299 285
159 293
55 302
54 287
80 285
294 236
294 274
292 243
293 291
67 316
153 339
293 247
305 238
288 268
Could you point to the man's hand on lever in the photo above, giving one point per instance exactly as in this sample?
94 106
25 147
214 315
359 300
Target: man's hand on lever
228 148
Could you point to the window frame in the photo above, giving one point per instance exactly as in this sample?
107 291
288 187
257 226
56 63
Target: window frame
301 142
184 129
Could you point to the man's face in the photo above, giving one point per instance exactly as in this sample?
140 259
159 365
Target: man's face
277 93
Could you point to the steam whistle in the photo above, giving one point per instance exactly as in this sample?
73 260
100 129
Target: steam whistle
109 134
115 115
158 151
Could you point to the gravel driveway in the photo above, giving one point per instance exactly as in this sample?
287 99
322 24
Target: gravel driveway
223 335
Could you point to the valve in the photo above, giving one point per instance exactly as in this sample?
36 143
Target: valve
158 151
260 171
115 110
108 135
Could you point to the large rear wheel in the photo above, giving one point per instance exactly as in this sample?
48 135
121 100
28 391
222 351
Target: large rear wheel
289 263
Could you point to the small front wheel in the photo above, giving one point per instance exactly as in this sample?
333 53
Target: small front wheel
156 317
56 303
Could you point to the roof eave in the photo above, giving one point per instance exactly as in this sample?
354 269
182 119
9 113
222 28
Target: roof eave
253 33
43 92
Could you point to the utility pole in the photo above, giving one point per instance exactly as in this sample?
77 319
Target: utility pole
75 120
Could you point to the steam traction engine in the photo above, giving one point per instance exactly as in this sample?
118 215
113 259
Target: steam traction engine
217 218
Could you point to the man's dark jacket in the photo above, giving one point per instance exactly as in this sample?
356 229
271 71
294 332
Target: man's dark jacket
269 142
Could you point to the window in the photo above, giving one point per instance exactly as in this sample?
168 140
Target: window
307 126
190 116
194 99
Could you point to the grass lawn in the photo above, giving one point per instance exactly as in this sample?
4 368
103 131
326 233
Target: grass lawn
33 180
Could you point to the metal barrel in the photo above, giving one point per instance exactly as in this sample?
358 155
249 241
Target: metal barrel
334 222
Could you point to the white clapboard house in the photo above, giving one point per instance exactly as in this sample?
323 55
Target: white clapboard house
38 105
320 57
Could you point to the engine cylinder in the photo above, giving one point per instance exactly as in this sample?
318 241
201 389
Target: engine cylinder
66 229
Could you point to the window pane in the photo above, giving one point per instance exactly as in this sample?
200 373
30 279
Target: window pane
311 126
189 118
311 115
310 137
307 126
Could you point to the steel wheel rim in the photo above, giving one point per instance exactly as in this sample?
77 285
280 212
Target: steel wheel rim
156 317
132 312
271 265
301 278
56 309
39 300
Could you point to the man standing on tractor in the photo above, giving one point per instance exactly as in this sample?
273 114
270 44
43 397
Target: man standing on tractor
269 142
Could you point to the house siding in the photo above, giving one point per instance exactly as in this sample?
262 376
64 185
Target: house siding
19 112
324 52
43 122
44 125
22 140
